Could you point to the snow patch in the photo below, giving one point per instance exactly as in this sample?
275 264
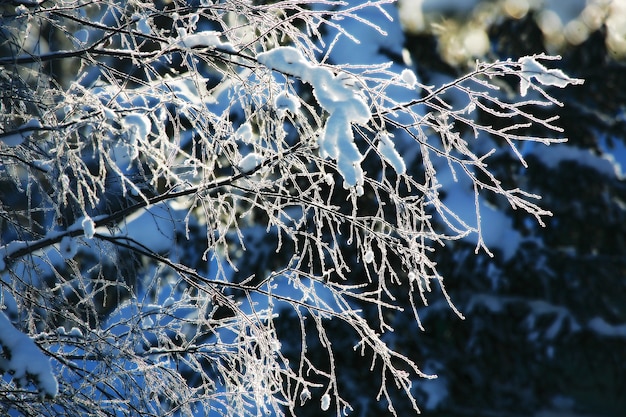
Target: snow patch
138 125
24 361
244 133
601 327
68 247
21 133
409 77
553 155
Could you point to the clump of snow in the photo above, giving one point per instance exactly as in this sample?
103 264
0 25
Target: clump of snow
207 39
337 94
245 133
142 24
249 162
325 402
388 151
368 258
21 133
75 332
286 102
138 125
24 361
533 69
409 77
89 227
305 395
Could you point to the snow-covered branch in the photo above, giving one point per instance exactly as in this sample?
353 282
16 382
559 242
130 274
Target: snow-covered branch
184 180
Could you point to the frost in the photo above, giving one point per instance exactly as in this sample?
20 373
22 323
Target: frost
169 301
533 69
23 360
65 181
275 345
182 268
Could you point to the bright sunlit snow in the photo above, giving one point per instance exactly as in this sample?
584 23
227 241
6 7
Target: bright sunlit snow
388 150
286 102
533 69
138 125
89 227
23 360
338 95
209 38
249 162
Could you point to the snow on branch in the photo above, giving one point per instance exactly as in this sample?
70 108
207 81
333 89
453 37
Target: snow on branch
179 203
339 95
24 361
